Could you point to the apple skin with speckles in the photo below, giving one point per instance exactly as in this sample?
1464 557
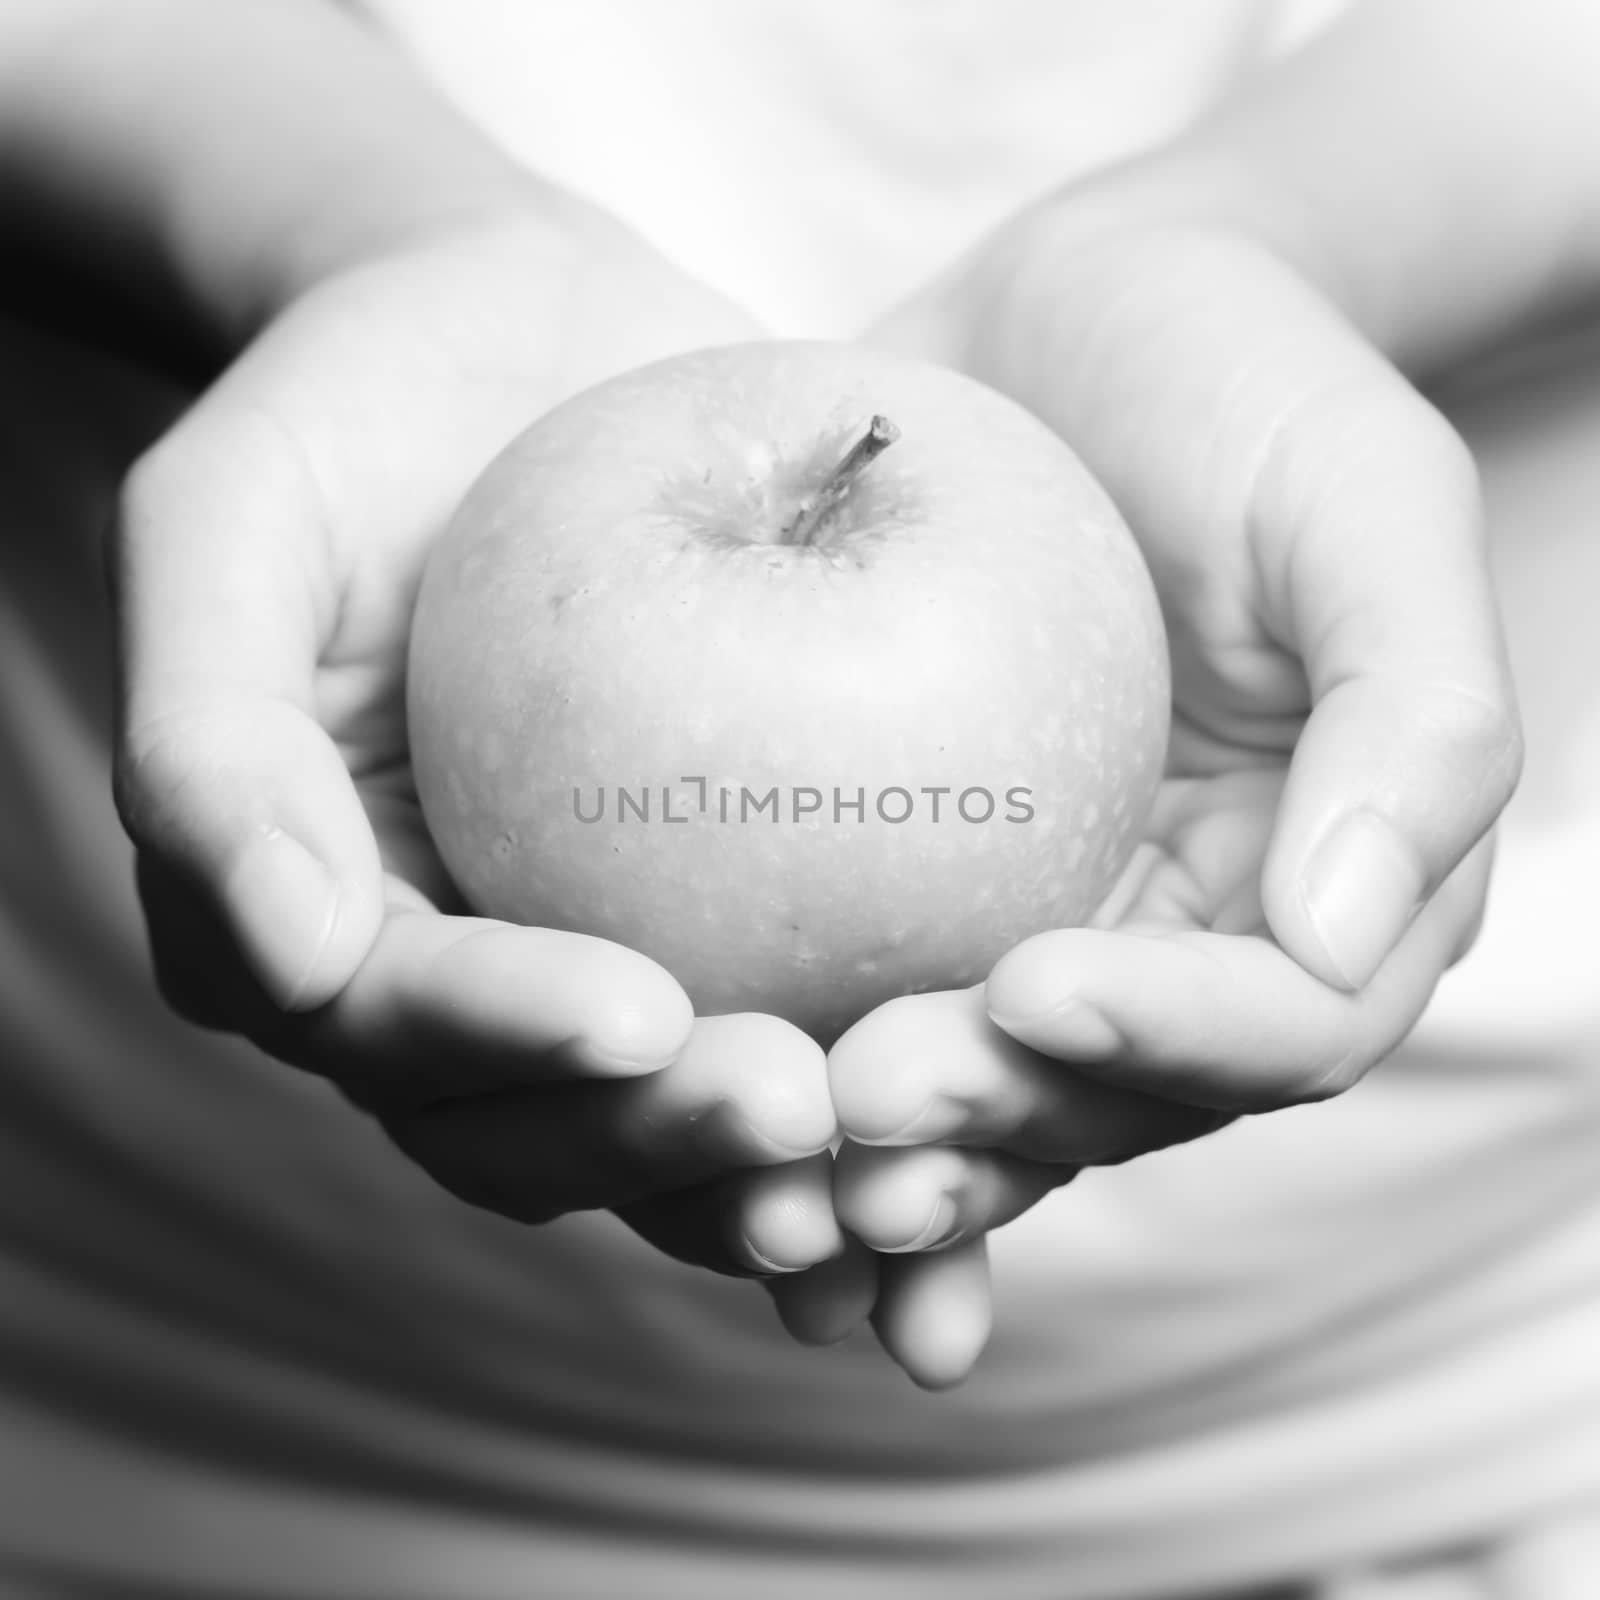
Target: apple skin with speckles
643 703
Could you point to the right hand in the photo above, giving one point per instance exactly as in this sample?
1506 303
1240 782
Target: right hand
1344 737
265 561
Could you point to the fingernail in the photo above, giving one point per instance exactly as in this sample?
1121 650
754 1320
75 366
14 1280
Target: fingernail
1071 1027
617 1064
941 1223
1360 892
765 1263
283 906
626 1039
940 1118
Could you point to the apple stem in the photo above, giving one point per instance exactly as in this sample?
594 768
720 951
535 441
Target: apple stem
817 508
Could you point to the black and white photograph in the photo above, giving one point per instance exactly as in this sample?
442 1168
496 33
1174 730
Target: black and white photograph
799 800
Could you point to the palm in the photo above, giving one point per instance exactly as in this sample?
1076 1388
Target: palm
270 552
1198 863
391 387
1239 704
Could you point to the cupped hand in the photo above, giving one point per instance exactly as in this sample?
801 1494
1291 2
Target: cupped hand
265 563
1344 736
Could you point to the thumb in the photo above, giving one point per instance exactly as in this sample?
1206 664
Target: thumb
222 771
1313 525
1413 744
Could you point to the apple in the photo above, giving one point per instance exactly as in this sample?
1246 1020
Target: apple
819 675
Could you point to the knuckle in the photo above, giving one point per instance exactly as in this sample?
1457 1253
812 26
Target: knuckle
1328 1080
1473 722
155 765
144 488
1479 733
1452 464
1468 885
1509 756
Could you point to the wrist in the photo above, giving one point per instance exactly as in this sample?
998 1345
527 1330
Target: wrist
340 232
375 162
203 186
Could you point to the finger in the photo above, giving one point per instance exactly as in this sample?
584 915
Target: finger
445 1007
934 1315
828 1302
904 1201
746 1090
442 1006
757 1223
935 1068
1377 577
1213 390
222 772
1311 523
1220 1020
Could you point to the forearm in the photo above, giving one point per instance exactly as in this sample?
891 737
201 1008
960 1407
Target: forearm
1433 161
1430 164
225 154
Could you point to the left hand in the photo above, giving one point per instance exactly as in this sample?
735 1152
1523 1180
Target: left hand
1344 736
267 557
